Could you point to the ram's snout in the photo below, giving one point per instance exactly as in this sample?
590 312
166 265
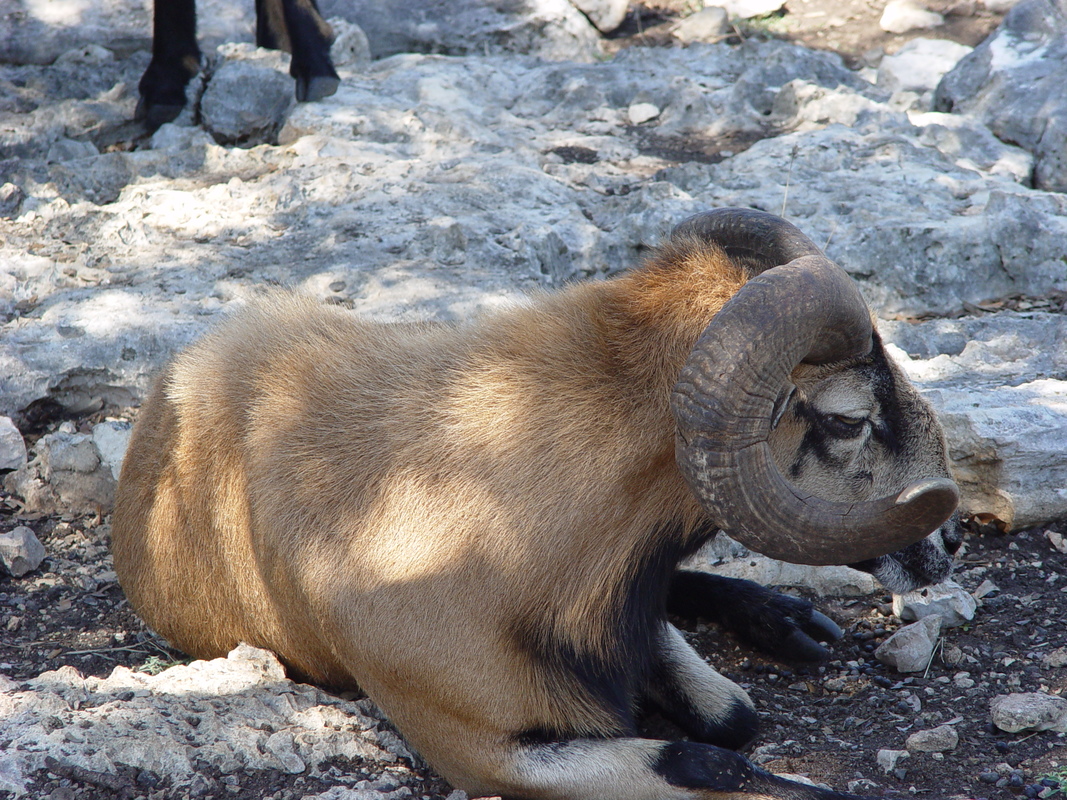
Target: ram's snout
801 307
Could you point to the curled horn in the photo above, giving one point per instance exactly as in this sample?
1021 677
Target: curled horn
738 374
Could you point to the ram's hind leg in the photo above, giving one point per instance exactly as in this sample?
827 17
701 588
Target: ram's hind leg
297 27
707 706
645 769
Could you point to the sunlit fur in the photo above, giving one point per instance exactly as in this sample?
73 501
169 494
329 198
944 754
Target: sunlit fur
476 523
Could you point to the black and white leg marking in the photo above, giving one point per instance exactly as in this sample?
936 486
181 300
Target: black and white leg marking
707 706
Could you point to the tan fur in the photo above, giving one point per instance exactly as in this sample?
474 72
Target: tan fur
382 505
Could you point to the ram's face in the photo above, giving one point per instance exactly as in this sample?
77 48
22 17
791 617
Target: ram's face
860 431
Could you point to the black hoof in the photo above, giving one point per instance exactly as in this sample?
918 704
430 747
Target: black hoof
310 90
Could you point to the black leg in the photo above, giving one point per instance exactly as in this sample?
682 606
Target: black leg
789 628
310 39
175 59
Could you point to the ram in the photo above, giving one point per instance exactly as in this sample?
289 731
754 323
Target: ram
291 25
479 524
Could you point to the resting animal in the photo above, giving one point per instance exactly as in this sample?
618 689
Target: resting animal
291 25
478 524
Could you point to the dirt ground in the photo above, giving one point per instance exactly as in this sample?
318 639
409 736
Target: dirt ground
827 722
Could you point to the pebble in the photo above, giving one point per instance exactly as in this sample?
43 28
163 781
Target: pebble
20 551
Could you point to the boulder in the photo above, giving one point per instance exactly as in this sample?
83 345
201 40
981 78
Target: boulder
1013 83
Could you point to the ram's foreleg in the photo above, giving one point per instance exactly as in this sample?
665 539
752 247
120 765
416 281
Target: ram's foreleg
646 769
175 59
297 27
786 627
707 706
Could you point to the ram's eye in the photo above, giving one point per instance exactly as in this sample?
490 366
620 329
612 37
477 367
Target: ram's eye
845 425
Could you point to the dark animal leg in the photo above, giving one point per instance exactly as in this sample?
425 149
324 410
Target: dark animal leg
175 59
297 27
707 706
789 628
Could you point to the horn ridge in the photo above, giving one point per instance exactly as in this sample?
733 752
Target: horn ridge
759 239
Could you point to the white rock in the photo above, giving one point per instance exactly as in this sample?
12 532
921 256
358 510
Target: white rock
746 9
642 112
248 96
911 648
824 581
936 740
1057 540
20 551
110 439
919 65
12 445
606 15
948 600
1029 711
350 44
707 25
888 759
901 16
217 710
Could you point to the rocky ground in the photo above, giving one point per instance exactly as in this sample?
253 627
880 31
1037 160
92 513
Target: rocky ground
233 215
827 722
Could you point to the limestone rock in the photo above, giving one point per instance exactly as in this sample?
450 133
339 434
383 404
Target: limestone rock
936 740
707 25
606 15
1013 82
223 711
918 67
249 95
551 29
746 9
1029 711
948 600
888 759
901 16
20 551
911 648
12 446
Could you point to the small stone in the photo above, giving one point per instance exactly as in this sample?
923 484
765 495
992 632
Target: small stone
911 648
746 9
888 759
642 112
11 197
937 740
20 551
1057 541
1029 711
948 600
1056 658
12 446
707 25
901 16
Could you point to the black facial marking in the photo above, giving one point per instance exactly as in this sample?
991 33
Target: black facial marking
890 431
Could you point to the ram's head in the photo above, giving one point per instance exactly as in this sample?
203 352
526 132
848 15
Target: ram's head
800 437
